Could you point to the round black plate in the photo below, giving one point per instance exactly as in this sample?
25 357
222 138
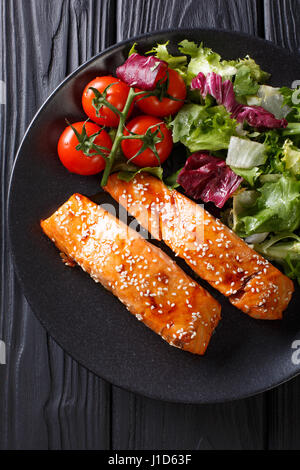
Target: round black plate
245 356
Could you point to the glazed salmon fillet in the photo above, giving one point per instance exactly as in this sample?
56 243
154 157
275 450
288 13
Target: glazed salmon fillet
210 248
143 277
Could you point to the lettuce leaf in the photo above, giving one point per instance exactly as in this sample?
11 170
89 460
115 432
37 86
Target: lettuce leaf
273 142
242 202
275 208
248 174
291 157
291 98
212 86
270 99
247 72
171 180
285 250
244 84
244 153
277 247
256 73
204 60
248 78
127 171
203 128
283 156
178 63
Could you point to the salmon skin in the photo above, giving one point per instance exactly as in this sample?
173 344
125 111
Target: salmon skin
210 248
143 277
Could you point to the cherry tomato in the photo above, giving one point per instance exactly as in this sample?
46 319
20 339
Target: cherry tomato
75 160
140 125
166 107
116 95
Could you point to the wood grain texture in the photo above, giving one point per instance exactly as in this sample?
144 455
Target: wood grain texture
141 16
47 399
282 20
141 423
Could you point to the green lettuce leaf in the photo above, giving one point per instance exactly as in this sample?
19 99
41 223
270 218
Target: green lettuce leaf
244 153
291 157
271 99
178 63
248 77
171 180
203 128
292 268
161 52
276 208
273 142
277 247
133 49
126 172
248 74
285 250
250 175
204 60
256 73
244 84
242 202
270 178
291 98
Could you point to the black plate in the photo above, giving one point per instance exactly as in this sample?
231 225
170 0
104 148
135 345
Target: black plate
245 356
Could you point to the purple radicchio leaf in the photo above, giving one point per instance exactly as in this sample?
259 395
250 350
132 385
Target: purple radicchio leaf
142 72
212 84
258 117
223 92
208 178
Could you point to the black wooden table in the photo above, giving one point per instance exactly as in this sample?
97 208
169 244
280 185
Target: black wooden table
47 400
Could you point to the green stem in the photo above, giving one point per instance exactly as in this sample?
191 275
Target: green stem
177 60
293 128
119 136
130 137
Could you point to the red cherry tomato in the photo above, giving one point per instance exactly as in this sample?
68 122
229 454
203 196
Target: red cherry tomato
166 107
75 160
140 125
116 95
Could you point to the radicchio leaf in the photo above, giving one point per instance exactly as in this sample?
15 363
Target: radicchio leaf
223 92
212 84
208 178
142 72
258 117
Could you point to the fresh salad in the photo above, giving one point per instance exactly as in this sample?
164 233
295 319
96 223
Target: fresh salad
238 137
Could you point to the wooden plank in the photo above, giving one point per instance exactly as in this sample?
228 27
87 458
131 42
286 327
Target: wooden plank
140 423
282 25
283 416
141 16
47 400
281 22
